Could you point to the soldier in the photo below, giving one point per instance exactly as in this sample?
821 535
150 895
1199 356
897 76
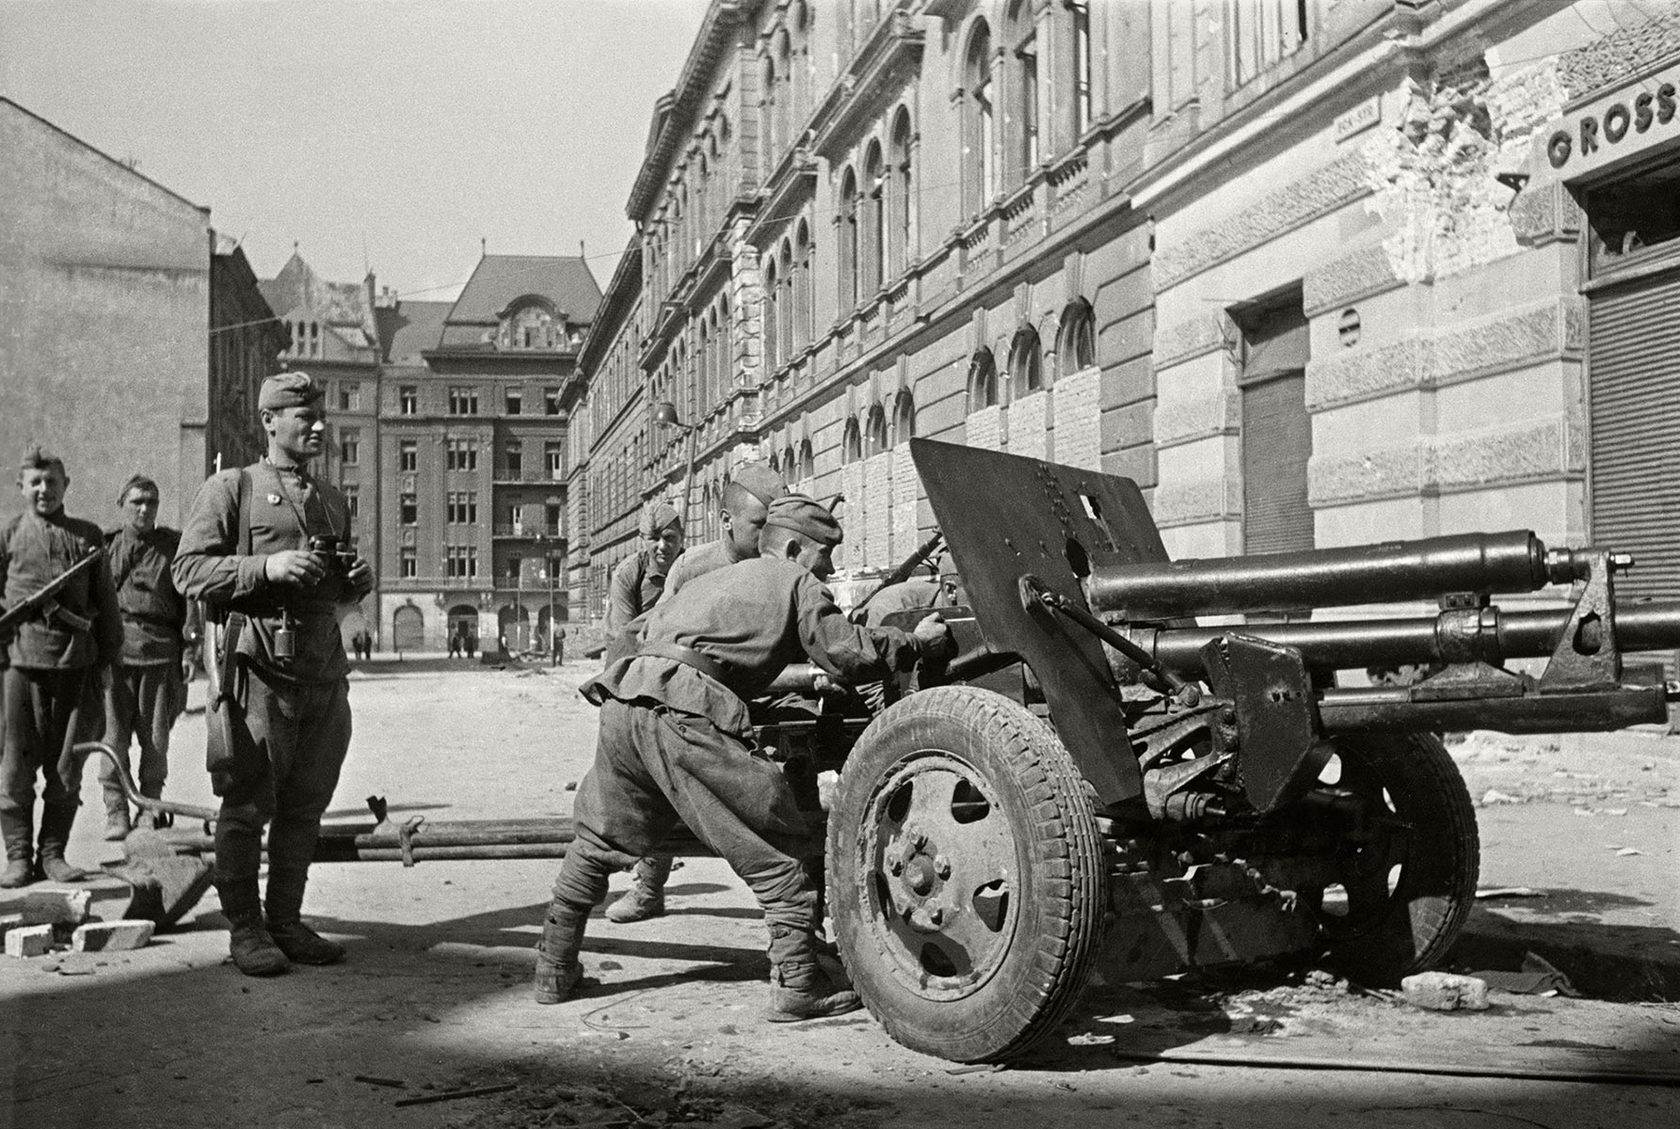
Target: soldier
745 505
53 657
676 744
147 689
639 580
253 550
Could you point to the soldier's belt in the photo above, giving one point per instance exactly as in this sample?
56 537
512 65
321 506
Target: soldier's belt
688 656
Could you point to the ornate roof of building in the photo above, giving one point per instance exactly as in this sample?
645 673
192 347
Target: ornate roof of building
498 280
298 292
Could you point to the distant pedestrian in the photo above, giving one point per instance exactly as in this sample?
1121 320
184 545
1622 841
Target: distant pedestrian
455 643
559 654
362 644
146 690
53 661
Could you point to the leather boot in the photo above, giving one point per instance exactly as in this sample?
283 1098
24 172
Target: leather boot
117 823
56 820
285 924
18 829
646 896
253 950
558 968
238 855
803 991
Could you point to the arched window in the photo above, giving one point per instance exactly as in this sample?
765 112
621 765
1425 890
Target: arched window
1026 373
1076 340
979 125
703 356
877 432
702 209
772 353
784 97
1021 115
799 20
904 419
767 117
901 243
873 225
726 354
847 241
982 381
785 303
802 312
807 461
851 446
1081 13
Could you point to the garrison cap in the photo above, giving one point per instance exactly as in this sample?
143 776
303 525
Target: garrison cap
807 516
289 390
657 518
760 481
136 482
37 457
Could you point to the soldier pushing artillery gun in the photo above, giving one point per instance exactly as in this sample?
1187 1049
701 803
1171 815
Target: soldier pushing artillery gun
1096 782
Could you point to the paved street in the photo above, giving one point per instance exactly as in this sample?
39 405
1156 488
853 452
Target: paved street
434 996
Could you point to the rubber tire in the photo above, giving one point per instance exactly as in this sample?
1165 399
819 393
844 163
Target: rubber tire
1050 943
1420 919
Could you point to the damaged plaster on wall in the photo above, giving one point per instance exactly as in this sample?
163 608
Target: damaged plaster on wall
1433 176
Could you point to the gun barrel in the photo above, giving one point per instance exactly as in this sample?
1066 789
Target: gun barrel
1394 571
1347 644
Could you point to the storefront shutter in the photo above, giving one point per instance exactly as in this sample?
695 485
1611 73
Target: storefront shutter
1276 442
1634 472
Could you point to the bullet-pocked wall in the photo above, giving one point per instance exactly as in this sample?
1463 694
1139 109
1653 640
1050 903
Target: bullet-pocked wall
1362 335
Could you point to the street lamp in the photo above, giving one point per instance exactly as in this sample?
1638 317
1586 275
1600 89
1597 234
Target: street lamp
665 415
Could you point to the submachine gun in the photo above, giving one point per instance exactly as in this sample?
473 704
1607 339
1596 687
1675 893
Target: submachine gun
1098 782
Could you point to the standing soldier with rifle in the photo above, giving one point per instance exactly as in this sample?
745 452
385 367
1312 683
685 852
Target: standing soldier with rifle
59 627
264 547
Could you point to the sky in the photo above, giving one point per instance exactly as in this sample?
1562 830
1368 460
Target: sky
391 134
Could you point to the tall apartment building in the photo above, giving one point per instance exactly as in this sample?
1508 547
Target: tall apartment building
472 454
1311 273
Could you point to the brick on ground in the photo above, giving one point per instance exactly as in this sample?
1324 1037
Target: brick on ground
9 922
29 941
111 936
1445 991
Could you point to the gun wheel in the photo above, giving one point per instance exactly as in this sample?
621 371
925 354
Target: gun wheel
966 870
1409 880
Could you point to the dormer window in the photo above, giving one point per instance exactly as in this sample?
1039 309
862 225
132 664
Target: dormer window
531 322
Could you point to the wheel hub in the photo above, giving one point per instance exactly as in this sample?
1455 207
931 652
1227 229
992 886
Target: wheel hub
943 875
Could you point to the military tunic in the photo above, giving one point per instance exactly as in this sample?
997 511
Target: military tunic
50 657
637 584
291 729
697 562
146 692
675 743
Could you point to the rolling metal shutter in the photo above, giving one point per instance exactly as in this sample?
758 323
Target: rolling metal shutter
1276 443
1634 469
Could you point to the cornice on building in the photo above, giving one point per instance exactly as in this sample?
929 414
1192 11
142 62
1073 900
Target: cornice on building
887 62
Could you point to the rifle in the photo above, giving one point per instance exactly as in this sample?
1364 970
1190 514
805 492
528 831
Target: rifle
904 571
42 599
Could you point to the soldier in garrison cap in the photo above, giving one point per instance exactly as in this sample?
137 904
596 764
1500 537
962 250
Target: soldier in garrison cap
253 552
676 744
741 513
53 659
639 580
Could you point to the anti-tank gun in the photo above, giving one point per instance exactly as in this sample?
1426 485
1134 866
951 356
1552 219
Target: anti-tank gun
1097 782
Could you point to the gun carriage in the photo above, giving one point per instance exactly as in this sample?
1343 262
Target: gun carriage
1097 783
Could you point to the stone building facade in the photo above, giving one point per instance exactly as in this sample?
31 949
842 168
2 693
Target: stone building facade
1313 274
